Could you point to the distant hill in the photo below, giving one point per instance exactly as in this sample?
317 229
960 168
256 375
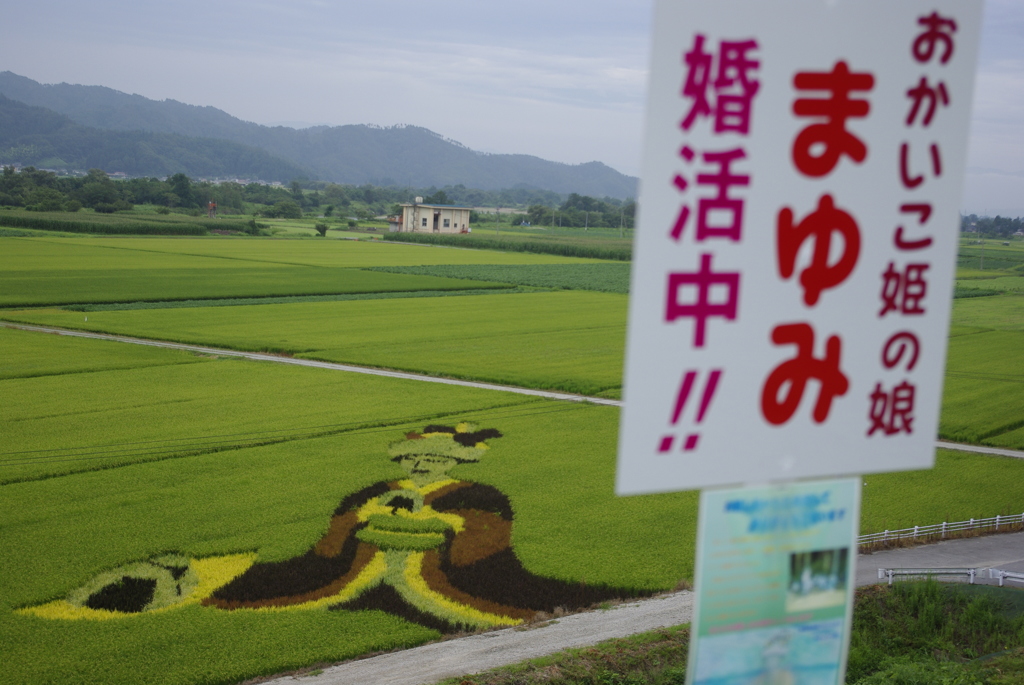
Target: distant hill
402 155
41 137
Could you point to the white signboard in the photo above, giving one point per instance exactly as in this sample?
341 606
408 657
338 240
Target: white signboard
794 261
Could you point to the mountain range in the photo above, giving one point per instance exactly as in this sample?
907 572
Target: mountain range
86 126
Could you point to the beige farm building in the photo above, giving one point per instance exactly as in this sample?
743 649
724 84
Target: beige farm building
420 218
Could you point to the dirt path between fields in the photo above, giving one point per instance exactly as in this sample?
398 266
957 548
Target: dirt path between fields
279 359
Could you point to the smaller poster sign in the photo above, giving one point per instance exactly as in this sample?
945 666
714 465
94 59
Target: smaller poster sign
774 579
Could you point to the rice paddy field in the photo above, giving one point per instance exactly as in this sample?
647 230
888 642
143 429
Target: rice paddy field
43 271
115 455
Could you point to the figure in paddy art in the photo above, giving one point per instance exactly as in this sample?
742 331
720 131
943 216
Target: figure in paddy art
430 548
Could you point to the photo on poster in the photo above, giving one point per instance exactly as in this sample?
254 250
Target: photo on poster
817 579
801 654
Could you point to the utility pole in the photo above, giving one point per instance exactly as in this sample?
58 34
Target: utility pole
586 222
621 213
497 216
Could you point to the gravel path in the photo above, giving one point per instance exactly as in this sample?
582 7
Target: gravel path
453 658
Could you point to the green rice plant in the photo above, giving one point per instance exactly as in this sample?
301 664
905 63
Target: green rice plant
333 253
43 272
974 274
28 354
57 287
276 500
287 299
961 486
984 384
961 291
609 277
1005 312
992 257
555 463
1014 284
115 223
570 341
136 228
83 418
567 249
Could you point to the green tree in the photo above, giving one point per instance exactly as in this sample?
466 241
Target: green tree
181 185
96 193
45 200
438 198
284 209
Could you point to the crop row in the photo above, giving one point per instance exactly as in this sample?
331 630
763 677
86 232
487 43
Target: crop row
123 453
570 341
62 287
541 247
133 228
601 277
107 403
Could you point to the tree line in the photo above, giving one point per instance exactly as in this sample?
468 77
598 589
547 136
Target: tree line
581 211
44 191
998 226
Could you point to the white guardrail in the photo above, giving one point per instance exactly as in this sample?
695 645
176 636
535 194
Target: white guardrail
941 530
1005 575
891 574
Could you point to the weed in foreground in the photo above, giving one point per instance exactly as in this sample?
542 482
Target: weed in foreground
655 658
910 634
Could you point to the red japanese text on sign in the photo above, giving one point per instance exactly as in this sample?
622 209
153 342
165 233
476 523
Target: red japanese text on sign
795 239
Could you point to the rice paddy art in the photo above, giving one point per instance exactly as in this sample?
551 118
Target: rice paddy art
431 549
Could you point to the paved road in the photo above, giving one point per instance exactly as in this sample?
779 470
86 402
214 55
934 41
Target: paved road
1004 551
263 357
453 658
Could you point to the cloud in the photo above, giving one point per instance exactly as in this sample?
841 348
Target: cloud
563 80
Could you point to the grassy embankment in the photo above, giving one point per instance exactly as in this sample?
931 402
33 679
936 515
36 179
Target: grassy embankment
910 634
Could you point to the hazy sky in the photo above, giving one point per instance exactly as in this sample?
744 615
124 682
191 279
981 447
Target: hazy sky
560 79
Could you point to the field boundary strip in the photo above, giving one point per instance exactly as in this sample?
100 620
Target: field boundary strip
263 356
547 394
